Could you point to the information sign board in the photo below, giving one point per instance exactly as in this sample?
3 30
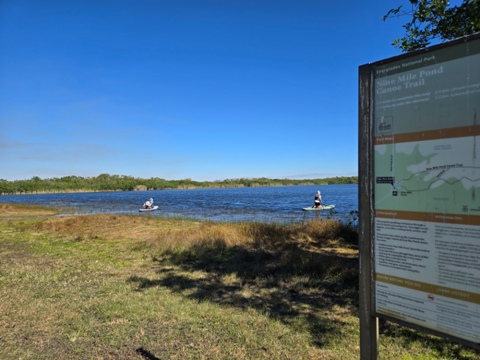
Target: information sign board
426 189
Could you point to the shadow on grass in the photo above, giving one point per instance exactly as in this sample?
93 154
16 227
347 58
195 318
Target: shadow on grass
274 275
284 277
146 354
446 349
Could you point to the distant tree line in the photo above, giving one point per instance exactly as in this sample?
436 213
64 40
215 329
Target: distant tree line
106 182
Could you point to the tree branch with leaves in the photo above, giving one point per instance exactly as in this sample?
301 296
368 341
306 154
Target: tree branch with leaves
435 20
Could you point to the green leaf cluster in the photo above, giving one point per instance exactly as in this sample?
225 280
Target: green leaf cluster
436 20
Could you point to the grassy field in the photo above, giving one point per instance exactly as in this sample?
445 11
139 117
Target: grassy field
141 287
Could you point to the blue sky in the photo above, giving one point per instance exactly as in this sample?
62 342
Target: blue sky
200 89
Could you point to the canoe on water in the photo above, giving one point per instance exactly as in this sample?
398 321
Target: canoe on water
152 209
322 207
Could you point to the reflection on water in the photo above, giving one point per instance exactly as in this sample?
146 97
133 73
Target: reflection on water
265 204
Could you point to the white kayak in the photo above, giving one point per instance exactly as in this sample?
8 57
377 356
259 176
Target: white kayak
322 207
151 209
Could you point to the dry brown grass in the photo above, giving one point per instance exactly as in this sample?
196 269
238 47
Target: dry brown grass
314 245
10 211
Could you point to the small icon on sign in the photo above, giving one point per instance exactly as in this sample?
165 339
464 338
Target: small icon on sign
385 125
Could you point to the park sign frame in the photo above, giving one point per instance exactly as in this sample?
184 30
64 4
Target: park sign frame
419 193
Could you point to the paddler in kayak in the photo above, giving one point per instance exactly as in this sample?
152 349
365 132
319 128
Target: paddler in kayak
148 204
318 200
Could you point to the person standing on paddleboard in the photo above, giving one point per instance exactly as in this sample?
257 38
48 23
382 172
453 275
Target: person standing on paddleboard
318 200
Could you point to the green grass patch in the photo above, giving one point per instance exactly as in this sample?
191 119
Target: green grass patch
130 287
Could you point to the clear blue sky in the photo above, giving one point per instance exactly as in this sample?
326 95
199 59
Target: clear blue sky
200 89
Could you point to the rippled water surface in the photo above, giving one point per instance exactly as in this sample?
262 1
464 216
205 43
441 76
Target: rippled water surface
266 204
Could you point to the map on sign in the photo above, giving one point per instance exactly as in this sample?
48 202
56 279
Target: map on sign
437 176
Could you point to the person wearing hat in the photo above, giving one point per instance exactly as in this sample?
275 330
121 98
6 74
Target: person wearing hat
148 204
318 200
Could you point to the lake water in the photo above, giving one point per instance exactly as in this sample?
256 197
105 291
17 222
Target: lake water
281 204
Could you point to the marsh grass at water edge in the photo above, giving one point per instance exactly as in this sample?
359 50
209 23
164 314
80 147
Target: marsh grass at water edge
281 204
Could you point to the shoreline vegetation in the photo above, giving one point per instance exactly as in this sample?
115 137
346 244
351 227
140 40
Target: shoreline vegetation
111 286
106 182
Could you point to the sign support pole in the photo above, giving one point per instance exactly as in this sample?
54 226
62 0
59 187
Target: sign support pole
368 322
